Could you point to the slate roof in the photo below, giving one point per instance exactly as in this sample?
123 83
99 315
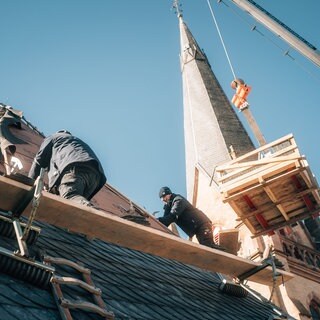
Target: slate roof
135 285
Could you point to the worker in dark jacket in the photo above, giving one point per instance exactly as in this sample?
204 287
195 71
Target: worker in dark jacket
190 219
74 171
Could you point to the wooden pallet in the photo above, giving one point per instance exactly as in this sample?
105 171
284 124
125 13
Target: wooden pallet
108 227
270 187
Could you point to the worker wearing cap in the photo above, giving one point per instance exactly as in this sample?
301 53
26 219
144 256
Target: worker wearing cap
74 171
190 219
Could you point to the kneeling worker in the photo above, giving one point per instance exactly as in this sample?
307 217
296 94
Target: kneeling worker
190 219
74 171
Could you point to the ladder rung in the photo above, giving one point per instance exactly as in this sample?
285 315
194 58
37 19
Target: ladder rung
7 218
88 306
76 282
62 261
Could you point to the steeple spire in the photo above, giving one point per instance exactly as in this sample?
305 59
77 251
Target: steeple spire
211 125
177 7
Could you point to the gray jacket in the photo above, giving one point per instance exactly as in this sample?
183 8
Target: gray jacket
58 152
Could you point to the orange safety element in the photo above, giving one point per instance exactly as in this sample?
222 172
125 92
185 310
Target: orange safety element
242 92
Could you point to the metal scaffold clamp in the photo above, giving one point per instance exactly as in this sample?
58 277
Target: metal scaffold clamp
270 261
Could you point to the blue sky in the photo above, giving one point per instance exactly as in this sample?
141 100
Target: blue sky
108 71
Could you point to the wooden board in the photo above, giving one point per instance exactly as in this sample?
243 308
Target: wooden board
98 224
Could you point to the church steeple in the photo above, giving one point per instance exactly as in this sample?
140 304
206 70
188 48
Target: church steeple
211 125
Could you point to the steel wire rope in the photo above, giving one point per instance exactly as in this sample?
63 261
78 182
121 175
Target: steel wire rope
221 39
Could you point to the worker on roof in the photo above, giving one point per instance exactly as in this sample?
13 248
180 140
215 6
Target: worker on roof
74 171
190 219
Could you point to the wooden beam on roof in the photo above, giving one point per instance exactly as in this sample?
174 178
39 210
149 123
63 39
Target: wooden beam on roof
101 225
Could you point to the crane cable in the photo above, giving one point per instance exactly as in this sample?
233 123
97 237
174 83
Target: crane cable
220 36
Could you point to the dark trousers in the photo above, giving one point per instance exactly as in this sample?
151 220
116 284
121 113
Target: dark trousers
78 183
204 235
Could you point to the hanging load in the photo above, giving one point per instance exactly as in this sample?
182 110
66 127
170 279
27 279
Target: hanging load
271 187
242 91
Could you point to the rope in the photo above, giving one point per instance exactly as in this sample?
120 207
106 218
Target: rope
224 47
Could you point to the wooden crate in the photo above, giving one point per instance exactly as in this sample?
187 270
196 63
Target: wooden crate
228 239
270 187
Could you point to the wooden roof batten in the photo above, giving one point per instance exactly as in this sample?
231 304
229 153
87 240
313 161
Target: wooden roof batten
101 225
270 187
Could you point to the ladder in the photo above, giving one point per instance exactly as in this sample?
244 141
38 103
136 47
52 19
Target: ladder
64 305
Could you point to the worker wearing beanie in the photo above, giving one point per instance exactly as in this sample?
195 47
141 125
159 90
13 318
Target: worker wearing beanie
190 219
